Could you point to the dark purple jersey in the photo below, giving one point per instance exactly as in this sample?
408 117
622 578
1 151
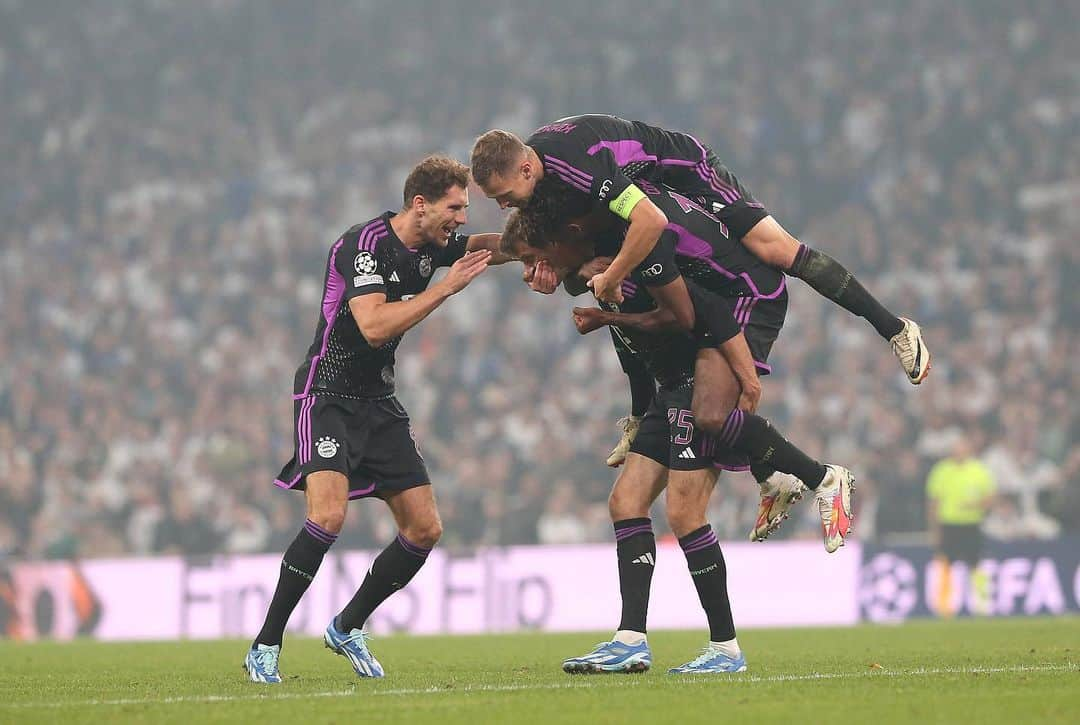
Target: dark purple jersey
368 258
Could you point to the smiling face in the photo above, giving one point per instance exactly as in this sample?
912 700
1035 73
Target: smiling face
514 188
441 217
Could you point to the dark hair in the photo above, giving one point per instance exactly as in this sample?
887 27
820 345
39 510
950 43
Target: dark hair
493 153
433 177
552 206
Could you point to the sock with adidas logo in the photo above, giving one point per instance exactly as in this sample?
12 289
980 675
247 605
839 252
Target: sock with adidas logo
635 545
709 572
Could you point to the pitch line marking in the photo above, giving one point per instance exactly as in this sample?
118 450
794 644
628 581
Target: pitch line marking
734 679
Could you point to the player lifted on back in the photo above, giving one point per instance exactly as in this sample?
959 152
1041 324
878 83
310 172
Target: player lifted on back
600 156
671 453
352 436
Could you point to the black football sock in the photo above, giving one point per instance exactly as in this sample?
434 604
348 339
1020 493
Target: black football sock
754 436
298 568
760 471
635 546
832 280
392 569
709 572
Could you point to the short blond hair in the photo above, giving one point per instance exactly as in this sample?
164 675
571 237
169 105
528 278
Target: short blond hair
494 153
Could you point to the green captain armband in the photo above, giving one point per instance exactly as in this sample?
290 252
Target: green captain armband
625 202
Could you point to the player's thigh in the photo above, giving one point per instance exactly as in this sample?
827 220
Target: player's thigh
638 485
327 494
771 243
687 499
716 390
416 514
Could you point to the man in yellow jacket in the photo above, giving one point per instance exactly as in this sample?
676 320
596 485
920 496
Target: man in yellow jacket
959 491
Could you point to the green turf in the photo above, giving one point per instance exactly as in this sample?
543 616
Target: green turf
970 671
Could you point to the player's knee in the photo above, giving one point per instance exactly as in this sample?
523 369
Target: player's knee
683 515
329 516
624 503
425 534
711 419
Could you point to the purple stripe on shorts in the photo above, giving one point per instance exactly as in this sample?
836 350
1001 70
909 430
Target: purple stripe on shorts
573 170
281 484
733 434
413 548
727 426
621 534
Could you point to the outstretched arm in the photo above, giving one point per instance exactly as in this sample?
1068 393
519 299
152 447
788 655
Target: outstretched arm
490 243
380 321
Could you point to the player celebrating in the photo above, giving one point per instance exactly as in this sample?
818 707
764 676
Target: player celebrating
669 452
601 156
352 436
705 252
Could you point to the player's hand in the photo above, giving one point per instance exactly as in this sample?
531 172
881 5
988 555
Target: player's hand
466 269
595 266
587 319
541 278
606 288
750 396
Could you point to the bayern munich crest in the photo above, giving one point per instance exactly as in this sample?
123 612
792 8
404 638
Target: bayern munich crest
425 266
327 447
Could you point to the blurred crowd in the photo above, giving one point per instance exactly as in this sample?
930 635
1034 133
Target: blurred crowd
174 172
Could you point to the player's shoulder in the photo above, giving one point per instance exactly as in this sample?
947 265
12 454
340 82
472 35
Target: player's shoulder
366 235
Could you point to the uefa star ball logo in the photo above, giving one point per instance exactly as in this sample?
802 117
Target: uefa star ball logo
888 588
364 263
327 447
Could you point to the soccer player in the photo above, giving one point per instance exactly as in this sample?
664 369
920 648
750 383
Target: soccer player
669 453
751 293
601 157
352 436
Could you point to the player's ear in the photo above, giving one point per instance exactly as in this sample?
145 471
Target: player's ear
419 203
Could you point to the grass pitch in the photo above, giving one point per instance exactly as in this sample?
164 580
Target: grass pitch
969 671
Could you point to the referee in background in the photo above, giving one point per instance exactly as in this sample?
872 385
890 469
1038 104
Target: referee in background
959 492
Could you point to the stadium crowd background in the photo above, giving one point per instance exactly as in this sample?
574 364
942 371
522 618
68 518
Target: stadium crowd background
174 172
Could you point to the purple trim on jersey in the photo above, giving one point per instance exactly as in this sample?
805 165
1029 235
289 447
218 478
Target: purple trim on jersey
370 235
335 291
412 548
572 176
622 534
690 245
625 152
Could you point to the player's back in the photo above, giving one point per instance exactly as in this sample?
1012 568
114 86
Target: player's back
706 251
589 149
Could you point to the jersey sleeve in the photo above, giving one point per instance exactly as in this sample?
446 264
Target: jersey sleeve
659 267
591 169
363 271
454 250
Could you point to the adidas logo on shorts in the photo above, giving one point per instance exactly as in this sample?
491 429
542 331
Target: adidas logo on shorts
687 453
